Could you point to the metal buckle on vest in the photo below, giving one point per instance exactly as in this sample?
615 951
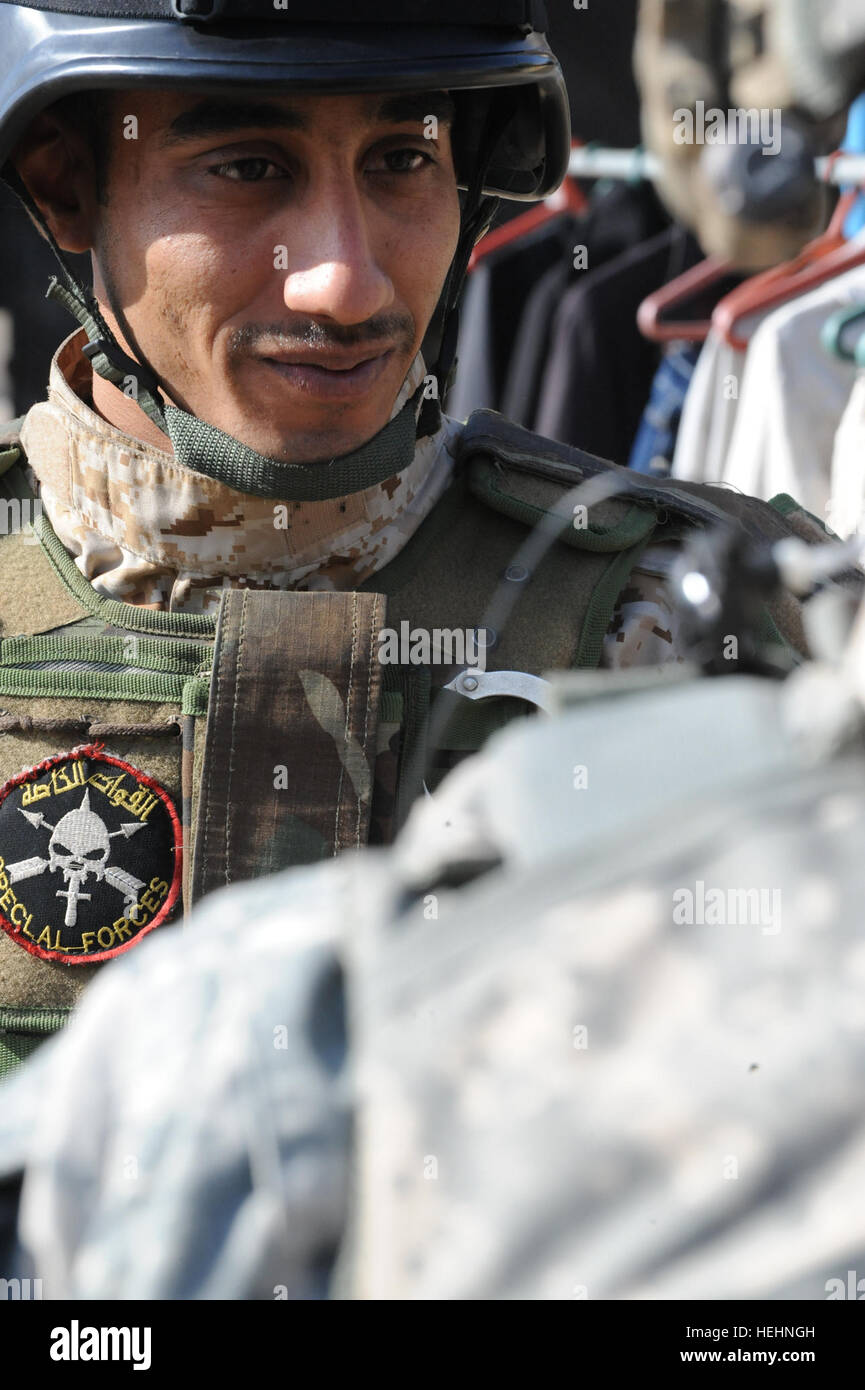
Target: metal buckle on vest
484 685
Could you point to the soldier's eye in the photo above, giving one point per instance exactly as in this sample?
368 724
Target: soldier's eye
249 170
60 848
407 161
93 854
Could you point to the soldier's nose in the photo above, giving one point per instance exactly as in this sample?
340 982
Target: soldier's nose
343 291
339 277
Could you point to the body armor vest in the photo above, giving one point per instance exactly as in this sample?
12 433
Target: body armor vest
149 757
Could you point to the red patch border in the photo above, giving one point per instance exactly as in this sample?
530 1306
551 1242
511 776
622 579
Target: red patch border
97 750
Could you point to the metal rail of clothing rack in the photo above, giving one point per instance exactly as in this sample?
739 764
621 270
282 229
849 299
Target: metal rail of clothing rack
599 162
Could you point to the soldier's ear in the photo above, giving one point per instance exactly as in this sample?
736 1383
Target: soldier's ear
58 169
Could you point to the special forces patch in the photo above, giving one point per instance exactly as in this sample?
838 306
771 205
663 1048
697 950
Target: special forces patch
90 851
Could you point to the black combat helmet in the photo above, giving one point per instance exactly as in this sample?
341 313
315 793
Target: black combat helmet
511 132
53 47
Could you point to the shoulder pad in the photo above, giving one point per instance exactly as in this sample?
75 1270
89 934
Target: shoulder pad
521 475
522 452
488 432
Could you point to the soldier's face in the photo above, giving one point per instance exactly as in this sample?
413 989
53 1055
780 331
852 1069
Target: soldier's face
278 260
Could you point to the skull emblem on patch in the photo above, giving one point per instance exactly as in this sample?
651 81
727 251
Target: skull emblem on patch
90 852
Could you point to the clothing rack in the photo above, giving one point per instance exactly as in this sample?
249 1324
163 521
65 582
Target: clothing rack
600 162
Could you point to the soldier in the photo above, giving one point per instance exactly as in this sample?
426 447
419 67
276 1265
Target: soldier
245 548
555 1043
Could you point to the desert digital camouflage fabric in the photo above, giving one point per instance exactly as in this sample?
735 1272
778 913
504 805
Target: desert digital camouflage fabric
622 1060
145 530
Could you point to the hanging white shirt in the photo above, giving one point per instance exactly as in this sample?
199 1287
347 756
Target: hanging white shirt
793 396
847 508
710 410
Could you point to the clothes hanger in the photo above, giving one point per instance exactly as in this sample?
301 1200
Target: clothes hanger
654 314
827 256
569 198
835 336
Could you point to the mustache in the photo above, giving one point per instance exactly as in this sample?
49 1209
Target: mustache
396 329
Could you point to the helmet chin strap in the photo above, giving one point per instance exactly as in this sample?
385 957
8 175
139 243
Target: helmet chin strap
105 354
102 348
477 213
474 224
205 449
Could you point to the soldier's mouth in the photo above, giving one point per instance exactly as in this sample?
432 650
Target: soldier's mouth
331 381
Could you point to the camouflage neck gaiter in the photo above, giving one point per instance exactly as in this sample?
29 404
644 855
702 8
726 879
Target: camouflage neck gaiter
148 527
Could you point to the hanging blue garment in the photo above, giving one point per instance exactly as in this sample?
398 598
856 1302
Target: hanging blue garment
652 450
854 143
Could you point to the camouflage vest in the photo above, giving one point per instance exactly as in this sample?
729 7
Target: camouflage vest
148 757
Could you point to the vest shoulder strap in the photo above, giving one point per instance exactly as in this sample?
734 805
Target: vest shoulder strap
525 462
523 473
528 477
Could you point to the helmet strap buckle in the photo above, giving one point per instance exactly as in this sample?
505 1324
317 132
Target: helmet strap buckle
198 11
